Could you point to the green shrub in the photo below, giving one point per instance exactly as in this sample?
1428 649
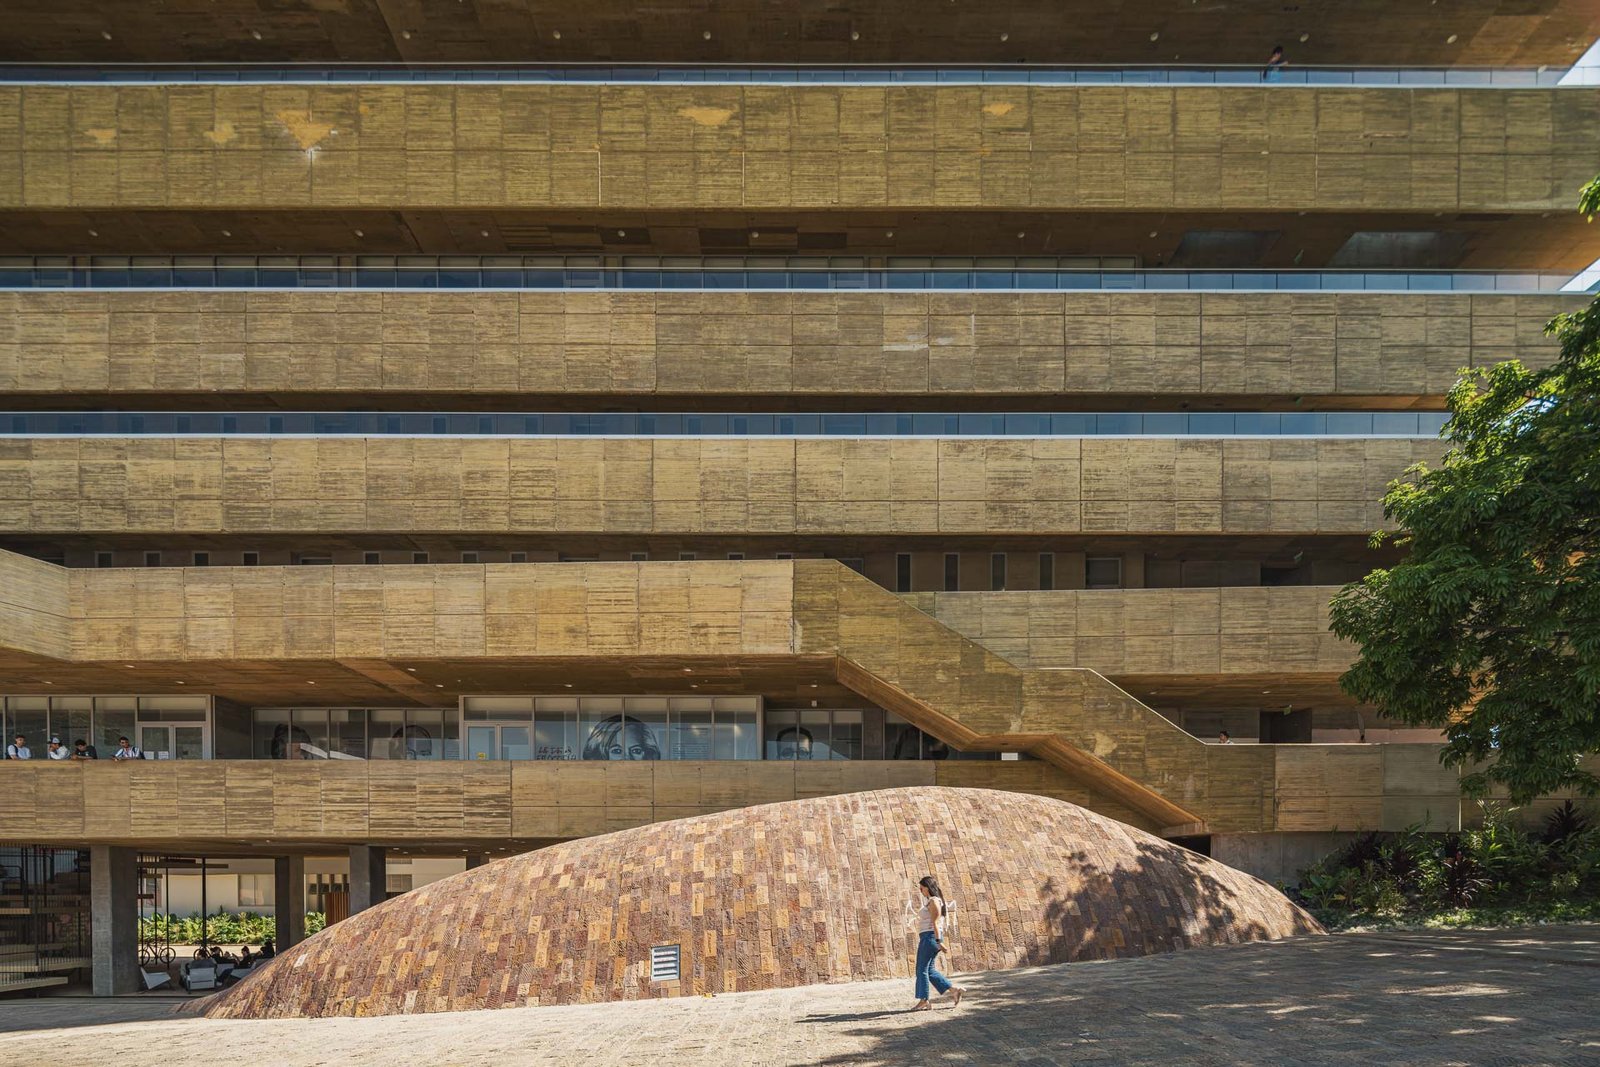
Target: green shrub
246 928
1497 869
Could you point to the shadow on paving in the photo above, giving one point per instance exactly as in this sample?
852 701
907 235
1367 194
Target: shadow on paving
81 1011
1515 997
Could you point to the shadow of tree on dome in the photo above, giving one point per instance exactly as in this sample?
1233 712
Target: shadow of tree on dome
1168 899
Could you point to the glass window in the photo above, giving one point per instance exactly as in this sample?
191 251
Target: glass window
901 740
424 734
501 709
997 571
846 743
515 742
610 732
71 719
255 891
1047 570
737 728
113 718
902 572
814 738
952 571
555 729
692 735
308 733
270 733
450 732
29 716
347 732
783 732
645 729
1103 572
386 733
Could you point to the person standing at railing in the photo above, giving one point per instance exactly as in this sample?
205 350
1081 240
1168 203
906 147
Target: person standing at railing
1275 64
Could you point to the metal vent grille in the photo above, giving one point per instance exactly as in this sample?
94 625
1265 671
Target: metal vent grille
664 963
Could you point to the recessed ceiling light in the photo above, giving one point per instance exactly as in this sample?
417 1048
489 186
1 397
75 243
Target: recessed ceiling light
128 665
309 682
688 670
1304 37
855 35
406 34
705 35
49 683
1154 232
622 233
179 683
256 34
1156 36
483 233
106 34
889 233
567 684
227 233
755 233
556 34
813 685
1450 39
360 234
94 233
1005 37
1021 234
413 670
438 685
693 686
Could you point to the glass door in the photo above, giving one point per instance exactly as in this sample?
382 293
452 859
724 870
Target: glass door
482 743
498 742
156 741
172 740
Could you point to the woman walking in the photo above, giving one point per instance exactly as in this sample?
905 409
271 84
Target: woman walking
930 942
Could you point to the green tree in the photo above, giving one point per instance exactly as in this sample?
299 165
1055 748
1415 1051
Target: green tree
1490 626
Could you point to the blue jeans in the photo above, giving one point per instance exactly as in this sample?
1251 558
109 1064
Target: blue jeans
927 952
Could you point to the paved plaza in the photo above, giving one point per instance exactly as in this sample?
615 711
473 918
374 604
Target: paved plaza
1520 998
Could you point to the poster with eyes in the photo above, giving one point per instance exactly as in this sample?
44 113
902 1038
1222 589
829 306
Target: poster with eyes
623 737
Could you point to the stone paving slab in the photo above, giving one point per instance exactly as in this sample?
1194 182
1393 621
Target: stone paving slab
1525 997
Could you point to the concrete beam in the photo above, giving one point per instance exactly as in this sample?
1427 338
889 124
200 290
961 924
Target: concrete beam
289 896
114 920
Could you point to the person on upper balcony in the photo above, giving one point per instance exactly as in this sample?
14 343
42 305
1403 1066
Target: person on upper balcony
1275 64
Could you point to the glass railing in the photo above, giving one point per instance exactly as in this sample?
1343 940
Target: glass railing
721 424
528 273
779 74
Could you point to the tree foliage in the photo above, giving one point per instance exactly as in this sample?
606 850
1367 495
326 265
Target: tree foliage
1490 627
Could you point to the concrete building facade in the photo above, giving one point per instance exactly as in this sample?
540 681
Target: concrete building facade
418 459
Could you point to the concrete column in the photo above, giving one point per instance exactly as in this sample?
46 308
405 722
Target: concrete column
289 895
367 877
114 920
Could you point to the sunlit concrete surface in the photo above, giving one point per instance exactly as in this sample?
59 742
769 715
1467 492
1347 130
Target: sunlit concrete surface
1521 997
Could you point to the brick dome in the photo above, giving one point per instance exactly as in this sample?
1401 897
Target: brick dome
778 895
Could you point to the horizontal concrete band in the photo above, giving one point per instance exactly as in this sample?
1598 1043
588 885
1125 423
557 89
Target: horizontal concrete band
761 344
1137 761
265 805
737 486
636 146
176 614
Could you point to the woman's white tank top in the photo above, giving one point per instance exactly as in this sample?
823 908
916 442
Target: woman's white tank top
925 917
